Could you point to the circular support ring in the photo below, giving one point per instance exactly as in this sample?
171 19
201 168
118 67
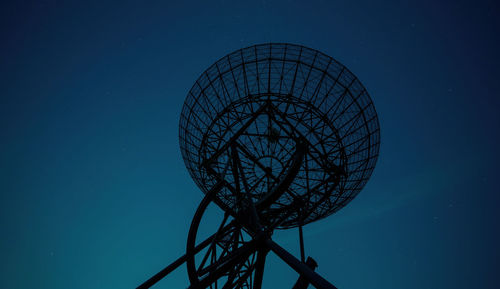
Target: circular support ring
229 260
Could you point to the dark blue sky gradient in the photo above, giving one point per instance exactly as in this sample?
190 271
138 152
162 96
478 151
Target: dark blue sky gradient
93 189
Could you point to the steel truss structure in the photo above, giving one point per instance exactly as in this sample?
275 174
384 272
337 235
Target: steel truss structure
277 136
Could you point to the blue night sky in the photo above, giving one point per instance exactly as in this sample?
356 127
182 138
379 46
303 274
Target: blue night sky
93 188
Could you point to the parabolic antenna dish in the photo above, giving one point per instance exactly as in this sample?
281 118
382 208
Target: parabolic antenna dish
265 100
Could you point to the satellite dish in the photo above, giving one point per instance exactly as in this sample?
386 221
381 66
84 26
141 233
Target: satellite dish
264 98
277 136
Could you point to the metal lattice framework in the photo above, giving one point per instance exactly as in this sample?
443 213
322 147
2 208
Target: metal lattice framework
277 136
259 101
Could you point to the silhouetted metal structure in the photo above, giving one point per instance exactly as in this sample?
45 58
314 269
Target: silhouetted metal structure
277 136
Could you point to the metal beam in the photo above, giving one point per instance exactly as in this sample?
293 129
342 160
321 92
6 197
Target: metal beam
314 278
